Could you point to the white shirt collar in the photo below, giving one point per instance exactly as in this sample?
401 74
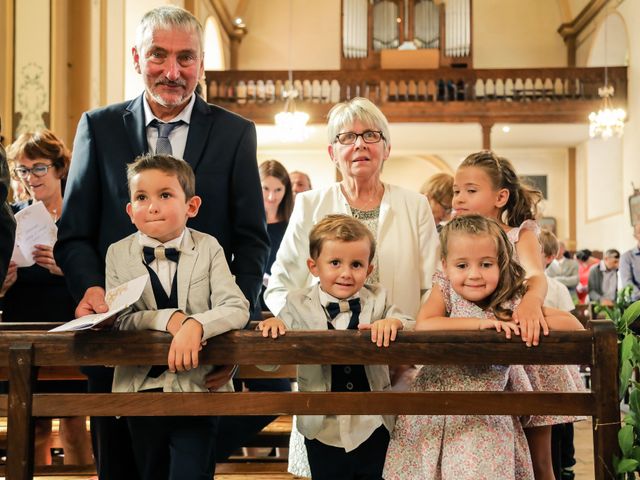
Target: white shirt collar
147 241
325 298
184 115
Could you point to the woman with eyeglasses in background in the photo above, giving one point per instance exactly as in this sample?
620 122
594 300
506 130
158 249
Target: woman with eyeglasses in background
400 220
38 293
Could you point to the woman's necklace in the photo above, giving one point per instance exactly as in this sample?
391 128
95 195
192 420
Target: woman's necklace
370 204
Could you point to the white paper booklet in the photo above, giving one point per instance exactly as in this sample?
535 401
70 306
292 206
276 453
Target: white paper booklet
34 226
118 298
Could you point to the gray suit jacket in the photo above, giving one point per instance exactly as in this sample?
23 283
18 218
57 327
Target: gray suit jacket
206 291
303 311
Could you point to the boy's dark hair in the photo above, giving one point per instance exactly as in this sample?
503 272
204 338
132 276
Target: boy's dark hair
612 252
339 227
167 164
512 275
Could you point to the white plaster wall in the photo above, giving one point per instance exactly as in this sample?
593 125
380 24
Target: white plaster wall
613 231
315 35
517 34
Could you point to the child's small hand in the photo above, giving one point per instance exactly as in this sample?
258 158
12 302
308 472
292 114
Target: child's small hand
507 327
531 320
382 331
272 327
187 342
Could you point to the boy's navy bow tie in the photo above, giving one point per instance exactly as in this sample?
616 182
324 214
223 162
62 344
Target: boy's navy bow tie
160 253
334 308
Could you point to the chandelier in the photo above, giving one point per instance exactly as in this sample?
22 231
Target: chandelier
291 124
608 121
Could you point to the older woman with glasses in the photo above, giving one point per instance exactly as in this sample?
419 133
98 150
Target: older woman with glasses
39 293
400 220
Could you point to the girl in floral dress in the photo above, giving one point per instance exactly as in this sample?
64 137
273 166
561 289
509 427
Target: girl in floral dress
479 288
488 185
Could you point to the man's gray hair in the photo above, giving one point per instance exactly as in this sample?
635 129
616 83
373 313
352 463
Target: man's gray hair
358 108
168 17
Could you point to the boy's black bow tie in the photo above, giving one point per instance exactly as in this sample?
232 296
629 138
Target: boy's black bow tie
334 308
160 253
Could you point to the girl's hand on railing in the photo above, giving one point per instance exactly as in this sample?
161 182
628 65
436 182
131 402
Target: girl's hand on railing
508 328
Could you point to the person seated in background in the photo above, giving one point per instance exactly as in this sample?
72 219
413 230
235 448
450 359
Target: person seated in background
191 294
39 293
630 266
603 279
585 262
439 191
558 296
300 182
565 270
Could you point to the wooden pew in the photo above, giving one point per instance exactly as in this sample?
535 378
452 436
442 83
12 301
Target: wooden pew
24 352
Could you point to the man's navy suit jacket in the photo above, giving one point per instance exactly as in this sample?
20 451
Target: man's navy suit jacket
221 148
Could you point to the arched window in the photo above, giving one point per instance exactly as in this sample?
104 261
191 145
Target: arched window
213 46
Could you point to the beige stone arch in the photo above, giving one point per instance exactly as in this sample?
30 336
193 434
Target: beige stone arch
214 56
617 42
411 171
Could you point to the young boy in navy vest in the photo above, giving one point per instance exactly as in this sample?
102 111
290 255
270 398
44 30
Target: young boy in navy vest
341 250
191 294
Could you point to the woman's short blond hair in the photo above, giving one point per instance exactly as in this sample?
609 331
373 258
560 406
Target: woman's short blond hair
358 108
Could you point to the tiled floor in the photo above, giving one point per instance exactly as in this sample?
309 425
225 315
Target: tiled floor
583 442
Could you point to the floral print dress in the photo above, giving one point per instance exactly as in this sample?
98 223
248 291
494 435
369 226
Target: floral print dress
459 447
548 378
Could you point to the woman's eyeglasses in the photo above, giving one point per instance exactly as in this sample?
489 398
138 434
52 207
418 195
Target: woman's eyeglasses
369 136
39 170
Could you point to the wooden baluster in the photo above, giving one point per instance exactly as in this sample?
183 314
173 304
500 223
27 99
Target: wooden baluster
20 426
604 382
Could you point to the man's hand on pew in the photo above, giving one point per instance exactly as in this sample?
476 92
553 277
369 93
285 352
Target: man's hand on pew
92 302
383 331
272 327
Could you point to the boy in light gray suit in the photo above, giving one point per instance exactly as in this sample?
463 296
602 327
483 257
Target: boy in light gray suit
191 294
342 446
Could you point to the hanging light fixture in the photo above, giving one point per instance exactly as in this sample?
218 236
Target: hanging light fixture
608 121
291 124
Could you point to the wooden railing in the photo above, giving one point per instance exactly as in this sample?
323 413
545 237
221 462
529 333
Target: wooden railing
533 95
24 352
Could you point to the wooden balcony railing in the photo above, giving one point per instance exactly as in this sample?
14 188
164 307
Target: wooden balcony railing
534 95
